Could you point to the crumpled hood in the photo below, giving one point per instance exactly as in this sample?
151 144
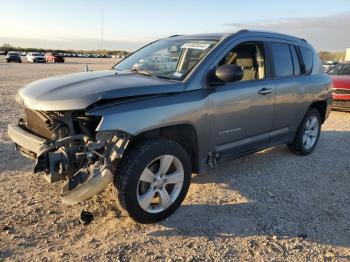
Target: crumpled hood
78 91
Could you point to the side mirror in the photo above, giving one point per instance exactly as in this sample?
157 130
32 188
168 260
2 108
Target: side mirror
229 73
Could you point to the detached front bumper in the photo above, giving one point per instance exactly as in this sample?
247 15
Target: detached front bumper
30 145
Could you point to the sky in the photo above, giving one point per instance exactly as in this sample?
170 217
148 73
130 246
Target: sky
128 25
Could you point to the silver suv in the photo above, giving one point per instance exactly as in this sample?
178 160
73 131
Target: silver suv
176 106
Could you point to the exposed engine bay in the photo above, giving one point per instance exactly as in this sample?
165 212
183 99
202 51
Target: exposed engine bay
74 151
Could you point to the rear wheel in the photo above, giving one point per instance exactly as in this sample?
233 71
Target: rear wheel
308 133
153 179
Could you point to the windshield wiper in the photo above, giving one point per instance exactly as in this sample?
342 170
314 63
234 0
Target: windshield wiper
147 73
142 72
167 77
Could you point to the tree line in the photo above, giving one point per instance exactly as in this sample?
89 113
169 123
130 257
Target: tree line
8 47
331 55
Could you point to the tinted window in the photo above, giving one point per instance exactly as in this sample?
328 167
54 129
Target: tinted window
296 64
307 59
340 69
282 60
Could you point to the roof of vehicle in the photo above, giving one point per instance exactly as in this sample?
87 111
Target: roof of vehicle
216 36
220 36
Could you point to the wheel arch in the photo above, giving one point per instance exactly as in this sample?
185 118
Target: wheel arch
183 134
321 106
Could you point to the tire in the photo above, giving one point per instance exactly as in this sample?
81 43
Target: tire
307 129
132 190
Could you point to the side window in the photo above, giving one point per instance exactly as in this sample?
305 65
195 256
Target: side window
282 59
346 70
296 63
251 57
308 58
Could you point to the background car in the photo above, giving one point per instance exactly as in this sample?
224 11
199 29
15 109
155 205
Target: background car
328 65
13 57
340 75
54 58
36 58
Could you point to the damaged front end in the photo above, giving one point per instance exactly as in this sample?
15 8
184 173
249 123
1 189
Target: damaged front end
66 146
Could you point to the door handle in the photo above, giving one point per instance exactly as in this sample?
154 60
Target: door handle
265 91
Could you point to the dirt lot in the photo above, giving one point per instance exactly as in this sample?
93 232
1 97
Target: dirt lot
272 205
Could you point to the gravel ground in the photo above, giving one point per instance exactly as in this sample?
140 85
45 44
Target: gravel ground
271 205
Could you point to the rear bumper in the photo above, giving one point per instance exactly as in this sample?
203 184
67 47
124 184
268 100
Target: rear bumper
341 105
13 60
341 101
341 97
36 60
28 144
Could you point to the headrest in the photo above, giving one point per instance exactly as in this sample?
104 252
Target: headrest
245 56
245 62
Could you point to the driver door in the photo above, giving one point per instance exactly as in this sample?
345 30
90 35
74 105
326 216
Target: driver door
242 111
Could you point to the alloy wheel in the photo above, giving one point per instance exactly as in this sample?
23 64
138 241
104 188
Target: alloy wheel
160 184
310 132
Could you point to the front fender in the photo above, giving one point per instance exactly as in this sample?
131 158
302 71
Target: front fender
143 115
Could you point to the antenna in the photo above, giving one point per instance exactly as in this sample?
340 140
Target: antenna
102 29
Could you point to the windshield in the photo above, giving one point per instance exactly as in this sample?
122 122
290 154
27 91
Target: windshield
168 58
340 69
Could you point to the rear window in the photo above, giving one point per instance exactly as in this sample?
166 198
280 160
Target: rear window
282 60
308 58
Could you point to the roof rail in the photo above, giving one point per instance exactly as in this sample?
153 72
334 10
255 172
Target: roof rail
275 33
243 31
173 36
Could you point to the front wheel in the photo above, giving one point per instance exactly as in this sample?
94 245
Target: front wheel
307 134
152 179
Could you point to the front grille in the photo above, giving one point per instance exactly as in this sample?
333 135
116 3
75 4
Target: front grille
37 123
340 91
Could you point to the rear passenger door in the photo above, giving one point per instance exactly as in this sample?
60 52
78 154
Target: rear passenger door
293 90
